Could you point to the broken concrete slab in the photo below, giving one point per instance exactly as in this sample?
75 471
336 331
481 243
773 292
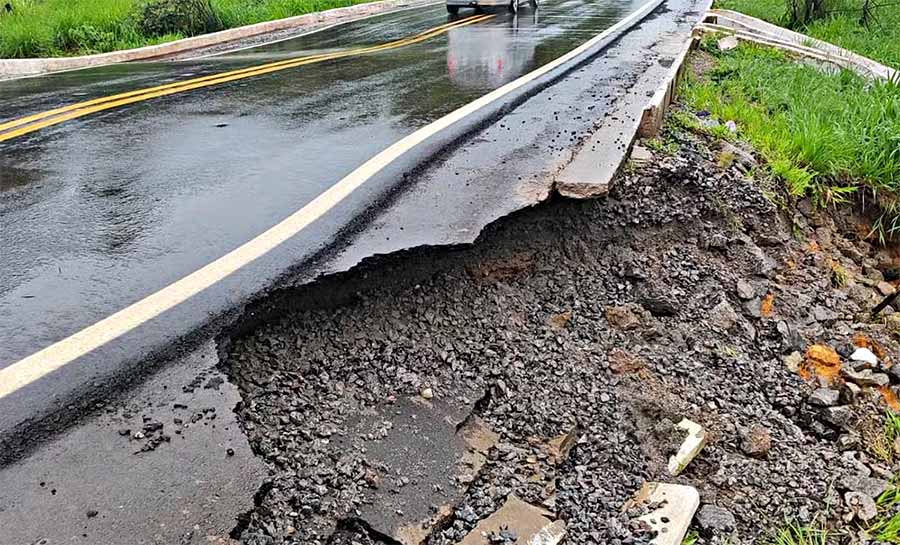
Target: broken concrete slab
728 43
671 509
594 165
531 525
693 443
421 453
640 155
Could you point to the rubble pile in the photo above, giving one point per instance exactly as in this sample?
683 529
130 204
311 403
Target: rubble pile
581 334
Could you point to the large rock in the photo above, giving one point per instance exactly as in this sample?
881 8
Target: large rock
865 377
838 416
185 17
859 506
745 290
868 486
623 317
723 316
865 355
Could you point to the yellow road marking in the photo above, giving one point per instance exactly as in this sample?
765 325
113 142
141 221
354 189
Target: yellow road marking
73 111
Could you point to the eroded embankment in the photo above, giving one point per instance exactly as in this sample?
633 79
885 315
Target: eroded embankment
604 321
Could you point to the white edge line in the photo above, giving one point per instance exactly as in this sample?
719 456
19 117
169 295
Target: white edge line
65 351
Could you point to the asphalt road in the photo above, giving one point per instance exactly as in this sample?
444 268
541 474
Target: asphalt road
100 211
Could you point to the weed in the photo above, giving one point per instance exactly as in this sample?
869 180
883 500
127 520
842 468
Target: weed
840 277
691 538
795 534
886 527
880 442
666 146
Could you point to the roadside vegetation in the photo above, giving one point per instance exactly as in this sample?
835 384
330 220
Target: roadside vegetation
834 136
54 28
827 135
843 23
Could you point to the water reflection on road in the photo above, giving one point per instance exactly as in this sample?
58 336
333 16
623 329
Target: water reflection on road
490 57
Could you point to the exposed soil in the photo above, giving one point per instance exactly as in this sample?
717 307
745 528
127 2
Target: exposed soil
687 292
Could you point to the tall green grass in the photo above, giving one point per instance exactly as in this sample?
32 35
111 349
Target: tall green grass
55 28
829 135
243 12
880 41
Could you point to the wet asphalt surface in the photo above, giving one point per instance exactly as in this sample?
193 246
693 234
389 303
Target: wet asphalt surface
99 212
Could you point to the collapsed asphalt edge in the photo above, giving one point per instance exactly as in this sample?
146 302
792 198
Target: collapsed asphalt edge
463 122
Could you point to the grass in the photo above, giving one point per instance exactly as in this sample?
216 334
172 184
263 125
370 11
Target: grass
827 135
878 41
54 28
886 527
883 445
691 538
796 534
666 146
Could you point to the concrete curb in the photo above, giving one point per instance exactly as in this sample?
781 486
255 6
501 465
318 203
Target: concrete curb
12 68
594 166
749 28
652 118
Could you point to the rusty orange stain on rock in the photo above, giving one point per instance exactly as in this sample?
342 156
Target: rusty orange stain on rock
821 361
560 321
767 305
860 340
890 398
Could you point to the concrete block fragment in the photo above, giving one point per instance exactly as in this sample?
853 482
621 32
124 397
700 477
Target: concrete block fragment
640 155
728 43
675 506
531 525
693 443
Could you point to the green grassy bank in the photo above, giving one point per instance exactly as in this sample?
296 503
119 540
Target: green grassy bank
880 40
54 28
826 135
833 136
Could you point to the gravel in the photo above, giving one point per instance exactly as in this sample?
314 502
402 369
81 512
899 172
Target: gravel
620 316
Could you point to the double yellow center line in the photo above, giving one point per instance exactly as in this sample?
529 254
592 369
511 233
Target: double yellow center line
28 124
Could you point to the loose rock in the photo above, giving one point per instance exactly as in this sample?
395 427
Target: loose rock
713 518
824 397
